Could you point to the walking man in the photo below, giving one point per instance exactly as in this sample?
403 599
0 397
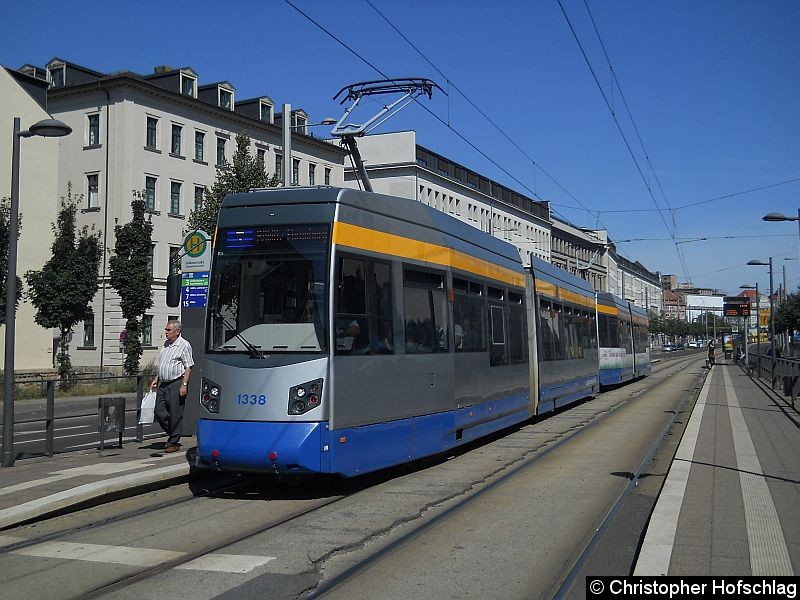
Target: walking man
172 380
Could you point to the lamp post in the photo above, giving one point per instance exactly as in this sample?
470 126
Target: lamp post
774 217
286 135
44 128
761 263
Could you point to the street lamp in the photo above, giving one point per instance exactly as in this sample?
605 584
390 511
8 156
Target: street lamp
44 128
761 263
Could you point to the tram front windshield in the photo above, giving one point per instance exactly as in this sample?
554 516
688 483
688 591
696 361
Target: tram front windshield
268 291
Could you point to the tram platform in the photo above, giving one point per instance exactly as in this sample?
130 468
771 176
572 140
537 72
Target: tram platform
729 505
40 486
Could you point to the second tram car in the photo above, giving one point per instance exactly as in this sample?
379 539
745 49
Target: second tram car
622 331
349 331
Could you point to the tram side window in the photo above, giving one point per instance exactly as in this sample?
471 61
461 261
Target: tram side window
609 334
468 316
425 305
498 354
517 329
546 333
624 329
363 307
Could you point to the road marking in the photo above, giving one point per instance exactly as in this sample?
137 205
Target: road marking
47 504
656 549
140 557
39 431
768 552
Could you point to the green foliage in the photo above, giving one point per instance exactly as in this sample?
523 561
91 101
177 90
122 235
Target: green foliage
62 290
131 276
787 317
245 173
5 220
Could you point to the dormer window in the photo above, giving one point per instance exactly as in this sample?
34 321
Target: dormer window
188 85
56 75
265 112
225 99
299 121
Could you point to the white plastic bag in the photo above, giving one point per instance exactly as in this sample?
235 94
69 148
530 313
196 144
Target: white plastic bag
148 408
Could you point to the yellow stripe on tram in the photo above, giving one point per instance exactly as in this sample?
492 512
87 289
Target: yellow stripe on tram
363 238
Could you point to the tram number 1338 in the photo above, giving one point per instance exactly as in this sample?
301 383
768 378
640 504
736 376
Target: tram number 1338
251 399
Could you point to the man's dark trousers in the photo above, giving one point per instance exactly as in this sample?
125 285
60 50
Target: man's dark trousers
169 409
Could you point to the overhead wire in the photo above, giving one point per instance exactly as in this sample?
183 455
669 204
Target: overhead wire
671 230
443 122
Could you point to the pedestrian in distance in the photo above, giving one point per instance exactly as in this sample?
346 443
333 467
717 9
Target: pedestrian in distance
172 383
712 351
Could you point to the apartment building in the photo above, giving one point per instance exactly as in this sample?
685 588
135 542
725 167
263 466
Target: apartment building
164 133
24 96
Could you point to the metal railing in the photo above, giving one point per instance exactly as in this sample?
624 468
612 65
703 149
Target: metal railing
49 382
787 372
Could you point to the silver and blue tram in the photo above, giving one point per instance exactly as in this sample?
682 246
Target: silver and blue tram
349 331
622 331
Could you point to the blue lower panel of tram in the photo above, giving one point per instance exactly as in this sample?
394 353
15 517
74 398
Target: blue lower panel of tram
312 448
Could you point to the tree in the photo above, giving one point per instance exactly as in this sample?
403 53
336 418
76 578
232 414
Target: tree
787 317
5 220
62 290
245 173
132 276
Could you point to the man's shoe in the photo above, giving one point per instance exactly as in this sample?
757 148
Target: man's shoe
171 448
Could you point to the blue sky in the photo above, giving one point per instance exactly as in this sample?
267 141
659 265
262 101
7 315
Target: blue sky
713 87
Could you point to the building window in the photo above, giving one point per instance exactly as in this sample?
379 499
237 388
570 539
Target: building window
279 165
150 262
150 192
187 85
88 331
265 112
147 330
199 141
56 76
295 171
93 130
312 174
220 151
175 198
261 155
199 190
93 190
174 260
177 133
327 176
226 99
152 133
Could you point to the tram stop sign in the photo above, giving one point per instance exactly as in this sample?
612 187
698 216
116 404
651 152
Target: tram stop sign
736 306
196 252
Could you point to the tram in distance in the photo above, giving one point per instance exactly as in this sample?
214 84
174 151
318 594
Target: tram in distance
349 331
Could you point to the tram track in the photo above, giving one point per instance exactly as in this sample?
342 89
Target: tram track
458 500
666 371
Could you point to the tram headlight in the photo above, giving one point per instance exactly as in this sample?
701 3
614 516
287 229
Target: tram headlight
210 396
304 397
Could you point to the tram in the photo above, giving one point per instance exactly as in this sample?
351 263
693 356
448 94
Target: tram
349 331
622 331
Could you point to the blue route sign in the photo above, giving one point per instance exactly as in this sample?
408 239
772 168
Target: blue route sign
194 289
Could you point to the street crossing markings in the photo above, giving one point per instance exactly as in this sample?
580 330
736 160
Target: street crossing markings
139 557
